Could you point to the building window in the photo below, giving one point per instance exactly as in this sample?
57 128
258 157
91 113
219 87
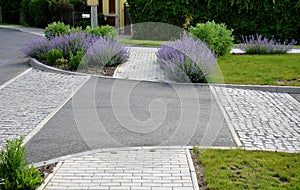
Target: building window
112 7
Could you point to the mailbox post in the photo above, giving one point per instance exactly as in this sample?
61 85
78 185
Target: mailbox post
94 14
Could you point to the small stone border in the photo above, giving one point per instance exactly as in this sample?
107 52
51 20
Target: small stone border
283 89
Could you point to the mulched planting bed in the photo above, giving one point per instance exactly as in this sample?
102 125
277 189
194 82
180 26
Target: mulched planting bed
199 173
46 170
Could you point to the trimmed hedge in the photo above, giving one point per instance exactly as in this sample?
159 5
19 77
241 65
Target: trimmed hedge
277 18
10 11
42 12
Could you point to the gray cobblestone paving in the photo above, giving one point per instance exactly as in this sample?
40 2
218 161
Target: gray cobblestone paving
141 65
263 120
132 169
31 98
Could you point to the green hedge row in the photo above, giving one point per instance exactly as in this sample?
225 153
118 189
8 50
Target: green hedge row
42 12
278 18
38 12
10 11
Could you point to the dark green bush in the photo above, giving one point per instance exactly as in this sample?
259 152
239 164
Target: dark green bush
14 168
83 23
11 11
216 36
26 13
41 12
56 29
77 5
77 60
53 55
63 11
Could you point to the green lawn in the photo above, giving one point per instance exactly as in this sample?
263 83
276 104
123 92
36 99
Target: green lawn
281 69
143 42
239 169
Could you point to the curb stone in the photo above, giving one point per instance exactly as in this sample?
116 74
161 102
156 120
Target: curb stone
20 29
192 169
283 89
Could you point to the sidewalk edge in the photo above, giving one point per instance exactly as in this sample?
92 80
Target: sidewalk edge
50 176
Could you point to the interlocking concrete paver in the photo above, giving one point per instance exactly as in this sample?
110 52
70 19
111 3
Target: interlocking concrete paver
123 173
30 99
141 65
263 120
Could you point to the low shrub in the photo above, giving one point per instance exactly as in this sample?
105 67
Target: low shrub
186 60
216 36
56 29
107 51
83 23
14 168
259 45
53 55
102 31
77 60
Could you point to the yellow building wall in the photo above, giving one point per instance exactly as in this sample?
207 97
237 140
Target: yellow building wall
119 3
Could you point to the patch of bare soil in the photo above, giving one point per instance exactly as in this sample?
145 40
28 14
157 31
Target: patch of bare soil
109 71
46 170
282 82
105 71
199 173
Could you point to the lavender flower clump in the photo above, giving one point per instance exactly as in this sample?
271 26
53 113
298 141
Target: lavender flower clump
186 59
259 45
37 48
107 51
68 43
73 42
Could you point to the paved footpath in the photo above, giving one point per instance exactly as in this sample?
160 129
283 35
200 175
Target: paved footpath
161 169
141 66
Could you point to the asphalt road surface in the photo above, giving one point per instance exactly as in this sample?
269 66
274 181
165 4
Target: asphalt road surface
108 113
12 60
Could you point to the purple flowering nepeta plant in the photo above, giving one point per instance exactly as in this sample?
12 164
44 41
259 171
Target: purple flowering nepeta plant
37 48
107 51
186 59
68 43
259 45
73 42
